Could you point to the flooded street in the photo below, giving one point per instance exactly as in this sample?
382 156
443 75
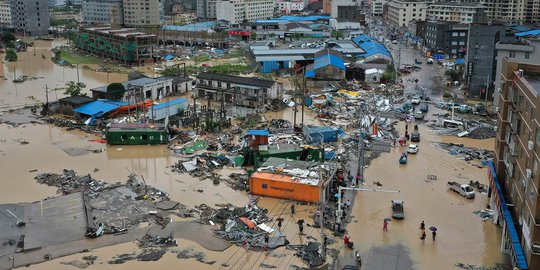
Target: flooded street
462 236
41 72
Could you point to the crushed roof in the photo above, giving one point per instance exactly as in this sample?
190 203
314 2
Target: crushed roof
236 79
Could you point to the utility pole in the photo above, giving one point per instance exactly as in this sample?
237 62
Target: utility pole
46 99
78 73
487 89
303 93
399 62
361 162
322 179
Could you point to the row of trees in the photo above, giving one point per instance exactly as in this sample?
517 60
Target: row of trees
117 90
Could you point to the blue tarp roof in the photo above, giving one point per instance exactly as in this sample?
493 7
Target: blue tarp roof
323 61
193 27
169 103
257 132
521 261
295 19
529 33
169 57
459 61
99 107
520 28
371 46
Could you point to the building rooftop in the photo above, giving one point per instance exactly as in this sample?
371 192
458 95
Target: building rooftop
122 32
252 81
192 27
304 172
137 82
76 100
136 127
477 5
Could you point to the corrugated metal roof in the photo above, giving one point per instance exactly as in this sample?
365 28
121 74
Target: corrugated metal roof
257 132
279 58
169 103
137 82
193 27
535 32
371 46
236 79
99 107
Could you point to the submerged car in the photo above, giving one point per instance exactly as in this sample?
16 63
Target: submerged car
413 149
397 209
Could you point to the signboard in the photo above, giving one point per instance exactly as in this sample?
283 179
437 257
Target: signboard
438 56
239 33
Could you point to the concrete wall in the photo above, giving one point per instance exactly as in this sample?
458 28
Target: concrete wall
30 17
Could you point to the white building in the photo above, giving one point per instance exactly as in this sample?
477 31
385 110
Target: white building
336 4
106 12
5 15
142 13
456 12
237 11
57 3
76 2
400 13
377 7
285 6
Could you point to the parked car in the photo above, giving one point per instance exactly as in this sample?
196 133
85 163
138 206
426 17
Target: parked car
419 115
463 190
413 149
418 62
424 108
429 61
406 107
465 109
394 41
415 100
288 103
415 136
452 105
397 209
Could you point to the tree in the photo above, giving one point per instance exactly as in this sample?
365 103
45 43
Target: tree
11 55
117 90
254 36
454 75
296 36
8 37
389 73
74 88
171 71
337 35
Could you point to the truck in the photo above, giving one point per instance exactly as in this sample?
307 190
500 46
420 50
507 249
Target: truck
463 189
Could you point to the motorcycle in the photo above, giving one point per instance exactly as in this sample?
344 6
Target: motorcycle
358 258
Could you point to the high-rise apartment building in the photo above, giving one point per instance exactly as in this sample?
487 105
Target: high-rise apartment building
517 150
206 9
456 12
401 12
142 13
377 7
30 17
5 15
507 11
103 12
238 11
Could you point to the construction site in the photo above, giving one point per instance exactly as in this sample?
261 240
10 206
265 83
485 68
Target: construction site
126 45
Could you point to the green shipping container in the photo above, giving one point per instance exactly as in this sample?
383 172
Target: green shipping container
137 134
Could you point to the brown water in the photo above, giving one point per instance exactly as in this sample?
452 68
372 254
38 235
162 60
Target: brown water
43 72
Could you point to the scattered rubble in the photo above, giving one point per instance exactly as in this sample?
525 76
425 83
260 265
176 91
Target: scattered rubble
147 254
190 253
84 263
475 267
309 253
149 240
69 182
467 153
486 214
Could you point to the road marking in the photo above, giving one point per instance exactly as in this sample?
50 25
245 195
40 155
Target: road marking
41 204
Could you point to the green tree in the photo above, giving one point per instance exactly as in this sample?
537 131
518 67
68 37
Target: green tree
117 90
8 37
74 88
337 35
296 36
254 36
389 73
454 75
11 55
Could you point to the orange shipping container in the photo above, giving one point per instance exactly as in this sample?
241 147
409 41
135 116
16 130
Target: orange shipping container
283 186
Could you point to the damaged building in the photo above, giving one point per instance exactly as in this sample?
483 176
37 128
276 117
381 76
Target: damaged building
246 95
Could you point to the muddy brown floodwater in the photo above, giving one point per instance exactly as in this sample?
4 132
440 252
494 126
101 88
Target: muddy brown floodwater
42 71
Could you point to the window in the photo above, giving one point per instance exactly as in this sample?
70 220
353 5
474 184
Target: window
512 54
462 34
527 55
144 137
455 34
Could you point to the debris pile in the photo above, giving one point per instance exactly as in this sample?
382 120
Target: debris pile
69 182
246 226
475 267
486 214
468 153
149 240
309 253
483 131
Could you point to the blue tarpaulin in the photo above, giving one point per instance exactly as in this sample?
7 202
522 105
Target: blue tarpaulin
99 107
257 132
168 57
329 155
520 260
459 61
169 103
535 32
316 135
371 46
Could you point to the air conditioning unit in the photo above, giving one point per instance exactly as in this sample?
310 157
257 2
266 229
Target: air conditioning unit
531 145
528 172
520 72
497 109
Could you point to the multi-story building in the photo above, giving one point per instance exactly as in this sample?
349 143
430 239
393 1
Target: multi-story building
30 17
327 6
206 9
287 6
523 50
456 12
57 3
5 15
401 12
377 7
142 13
238 11
126 45
340 6
104 12
507 11
517 153
447 38
481 63
76 2
247 95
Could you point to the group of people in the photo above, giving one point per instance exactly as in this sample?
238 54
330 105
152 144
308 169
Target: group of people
403 140
423 229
